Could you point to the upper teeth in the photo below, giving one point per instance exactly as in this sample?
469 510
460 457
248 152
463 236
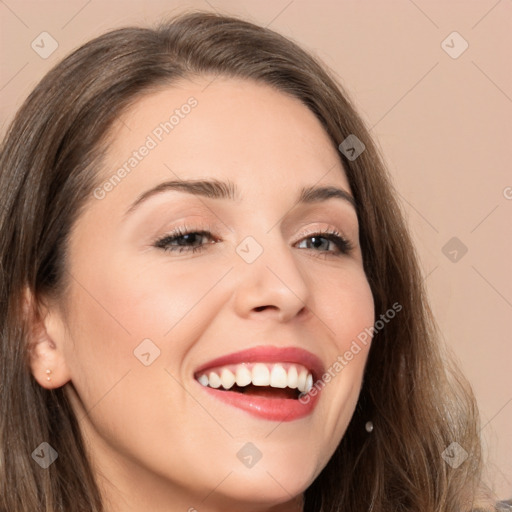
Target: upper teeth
275 375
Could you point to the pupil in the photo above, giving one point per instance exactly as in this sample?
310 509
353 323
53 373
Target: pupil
189 238
316 241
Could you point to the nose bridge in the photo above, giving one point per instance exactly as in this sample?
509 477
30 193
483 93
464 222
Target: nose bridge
269 277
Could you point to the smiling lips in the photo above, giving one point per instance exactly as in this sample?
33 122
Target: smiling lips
265 381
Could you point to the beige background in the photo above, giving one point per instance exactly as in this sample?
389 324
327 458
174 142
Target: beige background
443 123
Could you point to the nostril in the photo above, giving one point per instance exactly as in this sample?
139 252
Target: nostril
261 308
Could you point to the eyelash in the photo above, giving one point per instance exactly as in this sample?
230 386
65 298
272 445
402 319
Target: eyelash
343 245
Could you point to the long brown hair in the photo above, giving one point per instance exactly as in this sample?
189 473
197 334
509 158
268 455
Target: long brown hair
50 162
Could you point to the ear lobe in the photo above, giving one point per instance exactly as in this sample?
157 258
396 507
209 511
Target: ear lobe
46 340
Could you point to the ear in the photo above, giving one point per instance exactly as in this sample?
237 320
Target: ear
47 337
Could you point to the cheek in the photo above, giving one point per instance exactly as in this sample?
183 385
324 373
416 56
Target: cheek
348 312
121 309
156 298
346 305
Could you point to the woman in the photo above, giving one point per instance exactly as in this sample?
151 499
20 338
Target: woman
210 300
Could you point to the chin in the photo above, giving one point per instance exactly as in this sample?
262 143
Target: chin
258 493
269 485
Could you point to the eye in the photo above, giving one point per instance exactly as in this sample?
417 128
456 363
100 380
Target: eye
185 240
326 242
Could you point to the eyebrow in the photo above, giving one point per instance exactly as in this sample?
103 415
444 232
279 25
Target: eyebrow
215 189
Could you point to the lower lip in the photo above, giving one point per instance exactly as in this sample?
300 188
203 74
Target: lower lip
271 409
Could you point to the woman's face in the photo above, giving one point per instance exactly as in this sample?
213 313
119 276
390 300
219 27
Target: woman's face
261 291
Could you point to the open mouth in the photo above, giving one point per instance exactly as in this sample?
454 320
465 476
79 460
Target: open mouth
268 380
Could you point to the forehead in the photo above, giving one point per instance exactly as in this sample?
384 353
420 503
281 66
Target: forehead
225 128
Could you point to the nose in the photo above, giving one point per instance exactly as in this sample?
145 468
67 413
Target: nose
272 286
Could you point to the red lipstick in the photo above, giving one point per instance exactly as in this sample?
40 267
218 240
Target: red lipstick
261 400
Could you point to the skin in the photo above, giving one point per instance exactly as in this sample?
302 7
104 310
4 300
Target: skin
157 440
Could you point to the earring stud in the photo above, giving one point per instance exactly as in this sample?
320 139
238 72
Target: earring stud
48 372
369 426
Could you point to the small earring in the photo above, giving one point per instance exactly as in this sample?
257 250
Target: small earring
48 372
369 426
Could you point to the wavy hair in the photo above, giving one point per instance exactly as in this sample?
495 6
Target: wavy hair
49 165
